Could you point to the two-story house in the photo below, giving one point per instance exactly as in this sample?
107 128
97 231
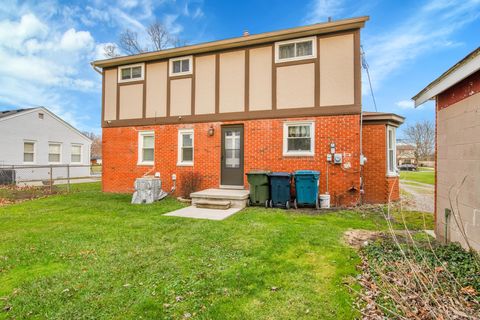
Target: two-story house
281 101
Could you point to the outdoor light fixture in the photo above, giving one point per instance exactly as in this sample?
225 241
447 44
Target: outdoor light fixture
211 131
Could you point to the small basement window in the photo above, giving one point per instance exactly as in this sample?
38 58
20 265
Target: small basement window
146 147
298 49
131 73
29 152
181 66
54 152
185 147
76 155
391 152
299 138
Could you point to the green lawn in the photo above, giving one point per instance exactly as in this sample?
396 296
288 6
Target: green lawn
91 255
427 177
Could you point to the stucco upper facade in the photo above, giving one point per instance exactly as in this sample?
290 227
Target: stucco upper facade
241 80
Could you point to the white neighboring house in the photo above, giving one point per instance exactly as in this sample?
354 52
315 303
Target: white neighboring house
37 137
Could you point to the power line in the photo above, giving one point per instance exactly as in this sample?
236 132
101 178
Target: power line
365 66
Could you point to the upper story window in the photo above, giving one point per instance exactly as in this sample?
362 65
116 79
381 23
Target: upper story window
298 49
185 147
391 151
146 147
132 72
29 152
76 155
54 152
299 138
181 66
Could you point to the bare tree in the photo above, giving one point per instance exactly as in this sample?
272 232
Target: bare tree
158 38
110 50
96 149
129 43
422 136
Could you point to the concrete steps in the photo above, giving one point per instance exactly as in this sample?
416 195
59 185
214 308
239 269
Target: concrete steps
212 204
220 198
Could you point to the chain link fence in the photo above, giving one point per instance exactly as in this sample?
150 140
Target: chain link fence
18 182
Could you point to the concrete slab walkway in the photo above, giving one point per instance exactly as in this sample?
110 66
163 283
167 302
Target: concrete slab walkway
203 213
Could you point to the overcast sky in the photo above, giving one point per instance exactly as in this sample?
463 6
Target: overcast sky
46 46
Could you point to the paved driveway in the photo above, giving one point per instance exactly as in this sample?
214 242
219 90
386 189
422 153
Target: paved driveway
420 196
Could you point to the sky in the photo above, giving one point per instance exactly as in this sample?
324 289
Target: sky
46 46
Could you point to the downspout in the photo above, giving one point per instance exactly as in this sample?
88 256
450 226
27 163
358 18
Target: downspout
97 70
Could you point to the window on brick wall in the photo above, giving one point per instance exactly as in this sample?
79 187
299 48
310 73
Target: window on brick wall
185 147
391 151
146 147
299 138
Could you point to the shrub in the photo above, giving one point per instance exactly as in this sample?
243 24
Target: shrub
189 182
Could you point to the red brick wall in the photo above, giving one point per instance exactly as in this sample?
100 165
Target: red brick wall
263 150
377 185
463 89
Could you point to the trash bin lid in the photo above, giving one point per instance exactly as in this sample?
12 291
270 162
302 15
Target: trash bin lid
307 172
280 174
258 172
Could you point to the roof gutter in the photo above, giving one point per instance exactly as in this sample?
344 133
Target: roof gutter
319 28
97 70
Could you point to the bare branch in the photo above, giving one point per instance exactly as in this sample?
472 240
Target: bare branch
422 135
176 42
110 51
159 36
128 42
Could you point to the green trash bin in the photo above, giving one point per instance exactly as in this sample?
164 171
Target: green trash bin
259 188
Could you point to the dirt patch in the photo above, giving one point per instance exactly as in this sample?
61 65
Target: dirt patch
360 238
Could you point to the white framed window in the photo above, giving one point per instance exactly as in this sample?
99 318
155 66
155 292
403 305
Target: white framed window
133 72
299 138
298 49
29 151
76 153
146 148
181 66
391 152
185 147
54 152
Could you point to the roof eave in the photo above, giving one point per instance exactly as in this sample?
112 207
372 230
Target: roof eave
461 70
320 28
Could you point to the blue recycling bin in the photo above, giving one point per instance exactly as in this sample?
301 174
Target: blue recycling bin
306 188
280 189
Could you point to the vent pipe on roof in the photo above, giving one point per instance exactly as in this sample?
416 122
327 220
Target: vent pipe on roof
246 33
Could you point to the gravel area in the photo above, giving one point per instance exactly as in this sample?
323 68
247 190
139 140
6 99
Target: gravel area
420 196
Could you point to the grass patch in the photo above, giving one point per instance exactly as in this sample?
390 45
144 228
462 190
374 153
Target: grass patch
427 177
90 255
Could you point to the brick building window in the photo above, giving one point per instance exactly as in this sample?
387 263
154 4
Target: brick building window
54 152
181 66
146 147
391 151
185 147
132 72
299 138
293 50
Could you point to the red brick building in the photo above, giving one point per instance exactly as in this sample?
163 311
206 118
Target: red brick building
274 101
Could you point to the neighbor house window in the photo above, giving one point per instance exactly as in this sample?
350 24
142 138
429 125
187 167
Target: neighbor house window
131 73
181 66
76 155
29 152
185 147
297 49
146 147
391 151
298 138
54 152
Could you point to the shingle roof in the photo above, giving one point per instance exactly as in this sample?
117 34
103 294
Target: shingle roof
7 113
